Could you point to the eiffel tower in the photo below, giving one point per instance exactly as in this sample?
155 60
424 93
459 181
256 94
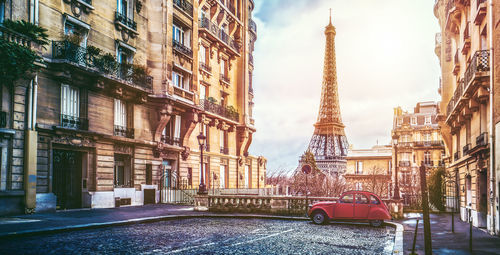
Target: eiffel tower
329 143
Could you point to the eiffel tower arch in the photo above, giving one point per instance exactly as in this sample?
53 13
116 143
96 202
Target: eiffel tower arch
329 143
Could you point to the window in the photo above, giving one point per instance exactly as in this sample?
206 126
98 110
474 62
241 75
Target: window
223 142
374 200
178 34
124 8
361 199
427 137
427 158
414 120
427 120
122 171
167 173
222 177
247 176
177 130
76 33
399 121
202 54
70 98
149 174
347 199
124 55
223 70
359 167
203 92
120 113
2 11
180 81
223 100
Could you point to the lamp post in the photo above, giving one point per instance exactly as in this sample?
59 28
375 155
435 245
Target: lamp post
395 138
201 141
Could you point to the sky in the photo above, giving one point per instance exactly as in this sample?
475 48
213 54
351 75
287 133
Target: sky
385 59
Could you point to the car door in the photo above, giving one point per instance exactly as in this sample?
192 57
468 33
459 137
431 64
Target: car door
345 207
361 207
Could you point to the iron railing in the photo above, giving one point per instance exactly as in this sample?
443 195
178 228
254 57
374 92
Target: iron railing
124 131
185 6
120 17
224 78
428 143
64 50
206 67
482 139
224 150
182 48
219 110
479 2
404 163
466 149
171 140
231 7
252 25
219 33
68 121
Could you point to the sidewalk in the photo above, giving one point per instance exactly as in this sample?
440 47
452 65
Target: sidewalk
443 240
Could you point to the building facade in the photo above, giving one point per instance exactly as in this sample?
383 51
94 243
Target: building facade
127 87
418 141
465 51
370 170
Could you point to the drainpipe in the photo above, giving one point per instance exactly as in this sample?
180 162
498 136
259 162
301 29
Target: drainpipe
492 129
30 148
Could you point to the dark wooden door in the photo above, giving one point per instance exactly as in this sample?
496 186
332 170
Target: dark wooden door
67 179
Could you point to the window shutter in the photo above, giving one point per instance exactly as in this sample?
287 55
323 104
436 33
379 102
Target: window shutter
177 131
129 116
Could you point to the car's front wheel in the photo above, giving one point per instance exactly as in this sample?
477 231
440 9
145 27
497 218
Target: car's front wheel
376 223
319 217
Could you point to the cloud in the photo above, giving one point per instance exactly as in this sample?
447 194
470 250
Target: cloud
385 58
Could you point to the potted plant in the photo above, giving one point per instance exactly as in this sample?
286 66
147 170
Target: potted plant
139 74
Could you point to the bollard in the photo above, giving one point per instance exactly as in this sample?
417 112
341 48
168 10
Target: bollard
414 239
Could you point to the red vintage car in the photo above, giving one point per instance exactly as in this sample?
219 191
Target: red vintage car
352 205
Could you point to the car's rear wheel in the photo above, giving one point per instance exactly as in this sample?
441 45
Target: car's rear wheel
376 223
319 217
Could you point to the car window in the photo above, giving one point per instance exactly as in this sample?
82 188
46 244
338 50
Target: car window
374 200
361 199
348 199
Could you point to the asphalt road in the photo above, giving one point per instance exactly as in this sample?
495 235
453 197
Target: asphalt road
212 236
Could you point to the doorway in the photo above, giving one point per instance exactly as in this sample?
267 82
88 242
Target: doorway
67 179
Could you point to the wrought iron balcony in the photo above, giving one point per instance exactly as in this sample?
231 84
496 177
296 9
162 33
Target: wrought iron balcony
404 144
185 6
456 155
73 122
122 18
404 163
79 56
225 78
206 67
182 48
171 140
252 25
219 34
482 139
428 143
231 8
123 131
466 149
224 150
219 110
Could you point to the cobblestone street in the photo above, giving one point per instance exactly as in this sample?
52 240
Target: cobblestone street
212 236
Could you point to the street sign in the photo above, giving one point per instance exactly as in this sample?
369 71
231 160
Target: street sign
306 168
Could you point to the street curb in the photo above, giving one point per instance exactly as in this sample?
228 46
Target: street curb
398 240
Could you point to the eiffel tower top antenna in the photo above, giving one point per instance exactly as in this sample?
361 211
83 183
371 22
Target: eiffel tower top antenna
330 15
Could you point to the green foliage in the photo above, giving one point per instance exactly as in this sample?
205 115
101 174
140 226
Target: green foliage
231 109
435 186
36 33
140 73
93 51
308 158
73 38
212 100
16 60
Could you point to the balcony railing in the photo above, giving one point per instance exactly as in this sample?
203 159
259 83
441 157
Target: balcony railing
219 110
252 25
404 163
183 93
14 37
224 78
219 33
480 63
428 143
182 48
120 17
123 131
231 7
456 155
224 150
171 140
64 50
466 149
185 6
482 139
73 122
206 67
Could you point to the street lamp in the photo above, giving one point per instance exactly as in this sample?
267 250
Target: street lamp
395 138
201 141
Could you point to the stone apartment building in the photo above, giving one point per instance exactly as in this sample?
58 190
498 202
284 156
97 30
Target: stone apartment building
127 87
419 140
469 117
370 170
